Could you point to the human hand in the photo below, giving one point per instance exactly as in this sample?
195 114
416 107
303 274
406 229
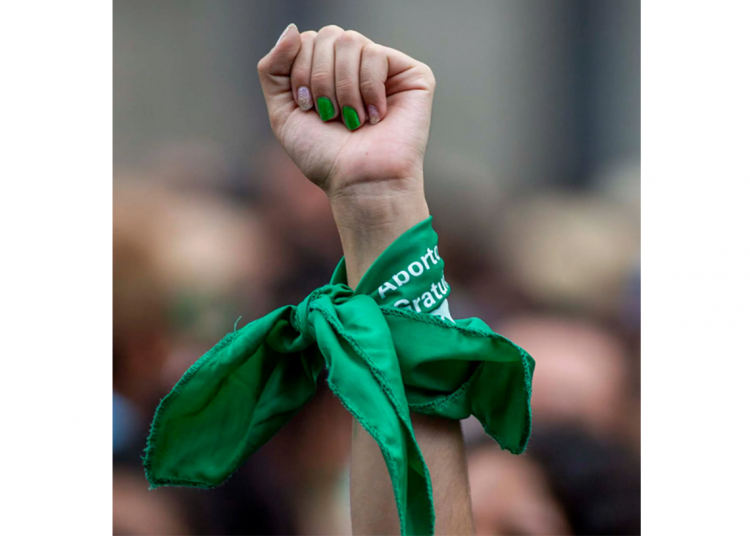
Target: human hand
348 78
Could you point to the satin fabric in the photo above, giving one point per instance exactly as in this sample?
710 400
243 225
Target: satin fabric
382 361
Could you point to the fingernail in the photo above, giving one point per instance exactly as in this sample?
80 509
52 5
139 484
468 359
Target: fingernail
351 118
284 33
304 99
372 111
325 108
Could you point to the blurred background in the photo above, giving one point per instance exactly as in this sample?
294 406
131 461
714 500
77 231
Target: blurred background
532 175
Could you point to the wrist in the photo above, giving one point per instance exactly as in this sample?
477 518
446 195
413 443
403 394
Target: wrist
369 220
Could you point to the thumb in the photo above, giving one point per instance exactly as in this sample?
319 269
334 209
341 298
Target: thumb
275 69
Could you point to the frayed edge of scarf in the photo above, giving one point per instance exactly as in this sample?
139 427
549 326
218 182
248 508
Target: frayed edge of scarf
432 319
148 457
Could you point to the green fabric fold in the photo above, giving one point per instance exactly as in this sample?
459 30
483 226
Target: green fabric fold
382 361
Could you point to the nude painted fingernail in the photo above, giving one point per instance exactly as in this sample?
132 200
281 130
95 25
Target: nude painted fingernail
284 33
373 113
304 99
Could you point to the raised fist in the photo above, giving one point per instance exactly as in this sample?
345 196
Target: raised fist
373 104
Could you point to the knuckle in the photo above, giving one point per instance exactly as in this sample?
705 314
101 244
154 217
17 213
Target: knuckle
299 76
349 37
331 29
309 35
263 65
346 86
368 87
320 79
371 49
427 75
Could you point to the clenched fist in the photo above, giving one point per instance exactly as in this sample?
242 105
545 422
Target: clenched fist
353 115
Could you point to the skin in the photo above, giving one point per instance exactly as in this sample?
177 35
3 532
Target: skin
373 177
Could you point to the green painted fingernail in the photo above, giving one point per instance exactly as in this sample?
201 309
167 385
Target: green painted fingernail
325 108
351 118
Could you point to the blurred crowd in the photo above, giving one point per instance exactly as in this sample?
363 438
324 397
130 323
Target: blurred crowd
200 241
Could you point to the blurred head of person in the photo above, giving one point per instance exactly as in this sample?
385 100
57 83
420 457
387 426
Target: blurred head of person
207 264
581 374
570 250
140 324
595 479
138 510
135 511
510 495
567 482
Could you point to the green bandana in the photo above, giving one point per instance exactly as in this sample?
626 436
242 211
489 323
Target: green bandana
389 346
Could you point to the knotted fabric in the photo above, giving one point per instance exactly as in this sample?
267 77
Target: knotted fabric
389 347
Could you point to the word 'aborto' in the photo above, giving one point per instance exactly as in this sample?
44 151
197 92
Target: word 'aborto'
416 269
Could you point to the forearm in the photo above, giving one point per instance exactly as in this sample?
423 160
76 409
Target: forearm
367 227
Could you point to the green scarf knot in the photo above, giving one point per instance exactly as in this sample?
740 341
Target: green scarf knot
383 361
335 294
